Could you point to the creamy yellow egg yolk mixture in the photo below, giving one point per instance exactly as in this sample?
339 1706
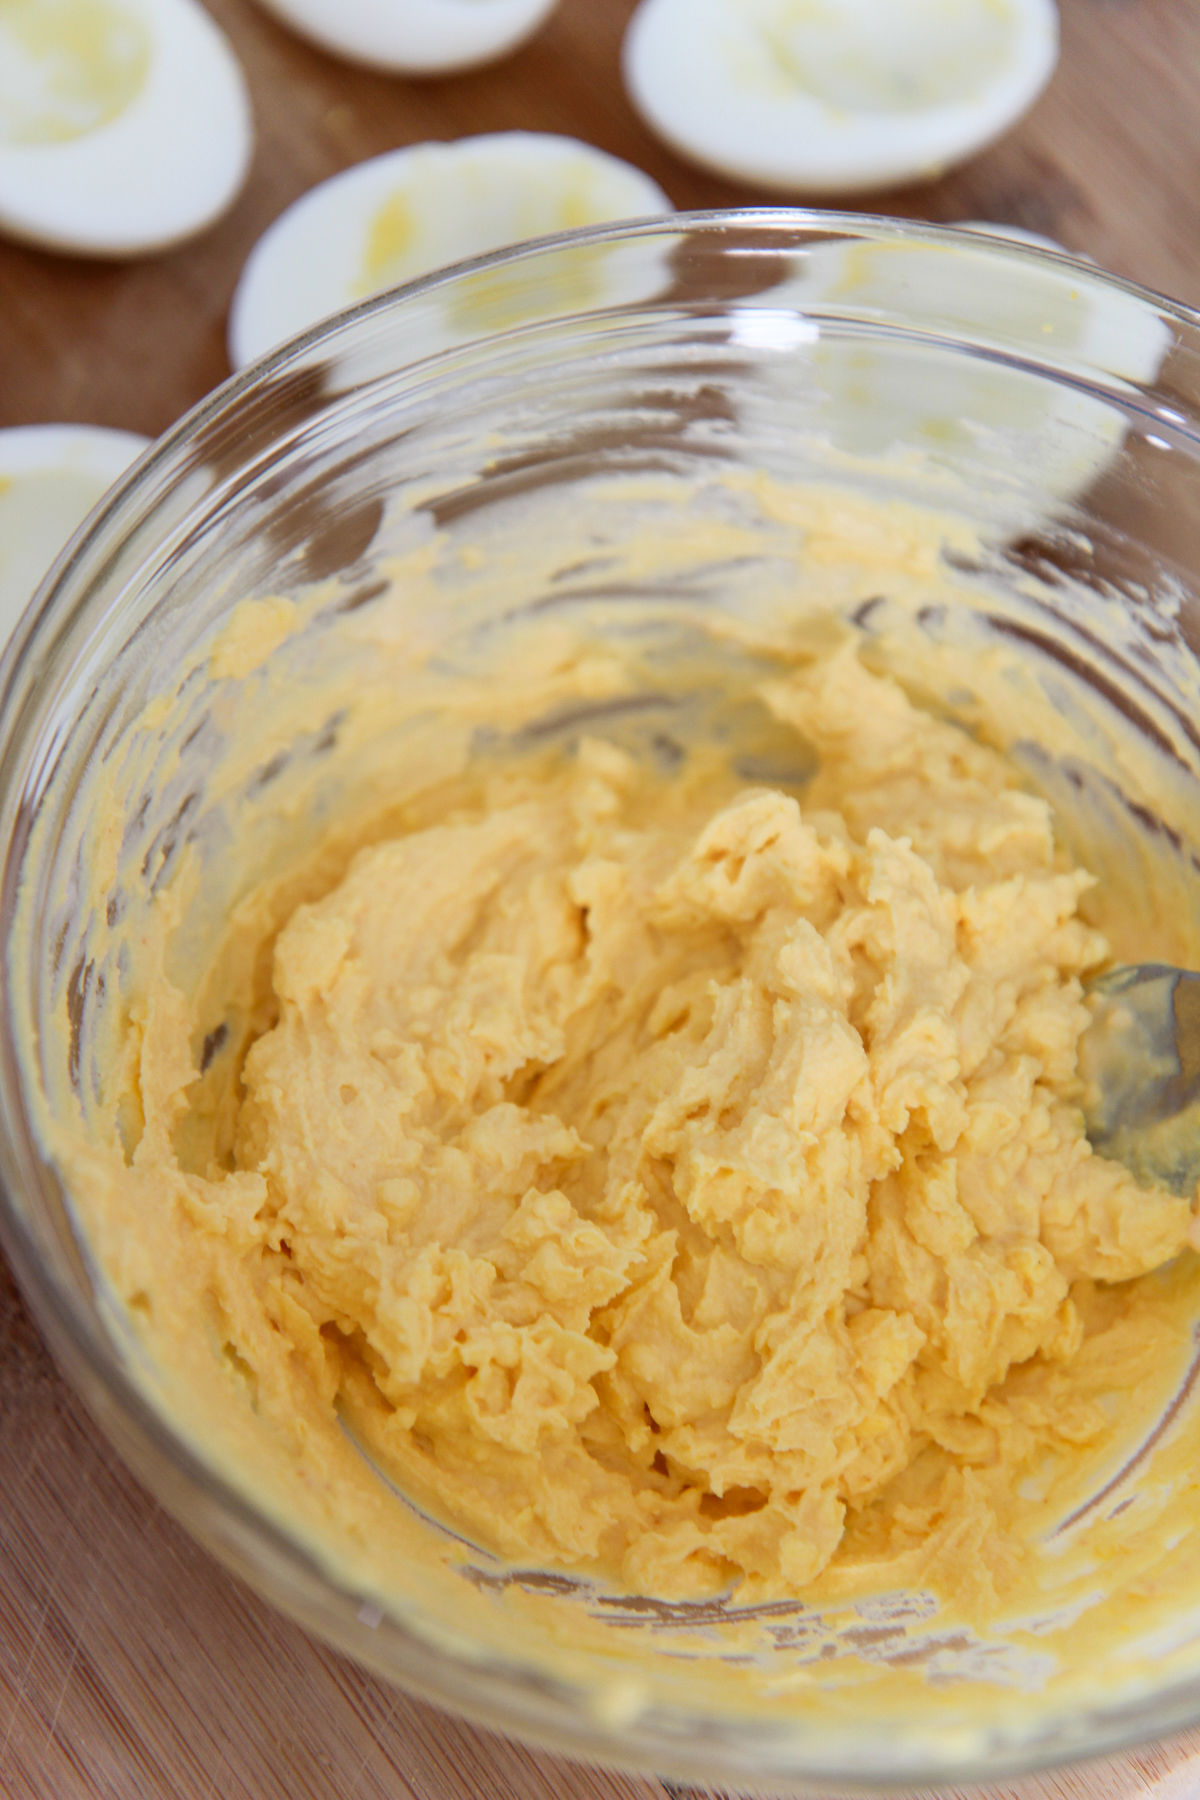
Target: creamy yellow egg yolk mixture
683 1181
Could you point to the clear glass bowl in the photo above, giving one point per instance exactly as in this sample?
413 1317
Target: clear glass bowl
565 430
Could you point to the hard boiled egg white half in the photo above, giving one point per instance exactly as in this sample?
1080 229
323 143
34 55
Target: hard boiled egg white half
125 125
398 216
1033 443
415 37
51 476
834 96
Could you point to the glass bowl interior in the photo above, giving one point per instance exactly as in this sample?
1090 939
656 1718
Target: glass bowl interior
651 438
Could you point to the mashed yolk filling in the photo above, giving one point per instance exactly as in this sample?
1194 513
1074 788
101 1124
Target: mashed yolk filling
684 1181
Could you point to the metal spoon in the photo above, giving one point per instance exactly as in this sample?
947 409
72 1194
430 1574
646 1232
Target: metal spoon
1140 1062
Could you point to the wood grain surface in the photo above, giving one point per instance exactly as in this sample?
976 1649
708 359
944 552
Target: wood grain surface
131 1666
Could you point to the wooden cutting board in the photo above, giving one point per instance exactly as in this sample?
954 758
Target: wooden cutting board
131 1667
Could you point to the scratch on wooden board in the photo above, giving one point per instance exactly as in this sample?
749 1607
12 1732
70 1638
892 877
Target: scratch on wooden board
379 1730
23 1679
76 1640
66 1548
62 1690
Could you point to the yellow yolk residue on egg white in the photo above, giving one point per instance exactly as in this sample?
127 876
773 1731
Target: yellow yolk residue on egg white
675 1179
67 67
390 239
844 54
